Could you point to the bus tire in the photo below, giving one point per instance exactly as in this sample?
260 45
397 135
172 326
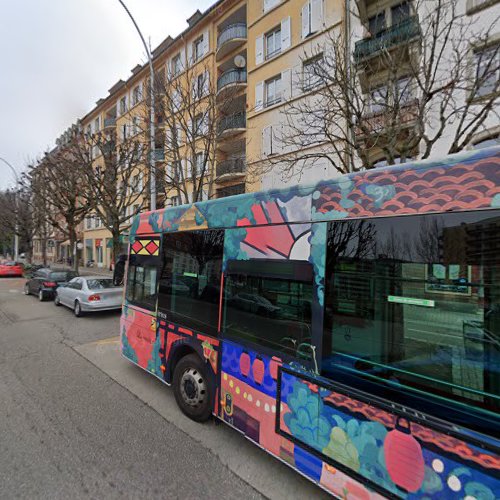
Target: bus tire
192 389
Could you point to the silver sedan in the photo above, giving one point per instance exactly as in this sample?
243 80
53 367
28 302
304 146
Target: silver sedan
89 293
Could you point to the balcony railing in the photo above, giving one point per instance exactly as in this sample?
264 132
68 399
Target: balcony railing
231 32
388 38
233 166
109 122
230 77
235 121
231 190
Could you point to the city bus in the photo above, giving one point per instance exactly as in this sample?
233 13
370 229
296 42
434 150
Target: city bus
350 328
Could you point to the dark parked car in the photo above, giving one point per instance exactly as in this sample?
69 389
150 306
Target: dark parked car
44 282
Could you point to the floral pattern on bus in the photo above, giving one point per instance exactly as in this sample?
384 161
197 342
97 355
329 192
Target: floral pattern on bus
391 456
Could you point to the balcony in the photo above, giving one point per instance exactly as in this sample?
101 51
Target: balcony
230 190
379 124
231 125
231 79
230 38
109 122
227 169
387 39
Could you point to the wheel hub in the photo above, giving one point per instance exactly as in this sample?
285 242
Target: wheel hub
193 387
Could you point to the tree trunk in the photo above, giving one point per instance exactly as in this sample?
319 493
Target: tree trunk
44 251
72 248
116 245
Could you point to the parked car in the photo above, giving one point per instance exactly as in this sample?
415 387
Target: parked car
45 281
253 303
11 268
89 293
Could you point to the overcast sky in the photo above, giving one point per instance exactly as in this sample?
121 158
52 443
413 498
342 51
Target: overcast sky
58 57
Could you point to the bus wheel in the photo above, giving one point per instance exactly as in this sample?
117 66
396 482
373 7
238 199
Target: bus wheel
191 388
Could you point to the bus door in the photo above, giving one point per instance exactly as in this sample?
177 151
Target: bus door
138 322
268 321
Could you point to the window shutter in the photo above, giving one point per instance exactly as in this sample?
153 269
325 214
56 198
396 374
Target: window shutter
206 42
168 138
118 107
179 133
286 40
190 54
286 84
259 95
266 140
140 91
259 49
305 20
316 15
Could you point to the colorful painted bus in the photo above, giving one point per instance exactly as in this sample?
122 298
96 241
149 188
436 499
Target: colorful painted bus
351 328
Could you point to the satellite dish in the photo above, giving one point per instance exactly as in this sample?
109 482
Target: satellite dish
240 61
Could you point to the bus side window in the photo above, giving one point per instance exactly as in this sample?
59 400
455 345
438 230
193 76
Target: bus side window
267 302
141 285
413 302
189 285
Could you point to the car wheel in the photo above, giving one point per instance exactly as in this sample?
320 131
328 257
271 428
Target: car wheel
191 388
41 295
77 309
57 300
26 289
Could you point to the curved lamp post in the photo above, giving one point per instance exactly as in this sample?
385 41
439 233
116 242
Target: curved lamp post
16 229
152 168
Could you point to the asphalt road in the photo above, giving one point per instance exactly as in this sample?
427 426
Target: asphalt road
77 421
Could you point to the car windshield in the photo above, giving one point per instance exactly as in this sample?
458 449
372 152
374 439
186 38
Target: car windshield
10 263
99 284
62 276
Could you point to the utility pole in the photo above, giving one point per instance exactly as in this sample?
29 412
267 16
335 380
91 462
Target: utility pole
152 167
16 228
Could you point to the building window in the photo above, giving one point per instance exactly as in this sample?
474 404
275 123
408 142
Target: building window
311 72
376 23
189 285
96 125
273 43
199 162
400 13
123 105
176 65
198 48
199 86
378 99
487 62
136 95
175 201
273 91
312 17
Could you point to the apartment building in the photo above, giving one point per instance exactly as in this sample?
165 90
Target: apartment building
223 86
394 32
285 37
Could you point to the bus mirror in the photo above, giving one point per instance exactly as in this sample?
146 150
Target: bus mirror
119 273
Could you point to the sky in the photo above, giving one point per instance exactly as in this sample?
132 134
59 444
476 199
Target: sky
58 57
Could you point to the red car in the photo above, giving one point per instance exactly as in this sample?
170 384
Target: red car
11 268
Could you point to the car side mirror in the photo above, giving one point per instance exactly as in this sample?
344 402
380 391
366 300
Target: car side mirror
119 273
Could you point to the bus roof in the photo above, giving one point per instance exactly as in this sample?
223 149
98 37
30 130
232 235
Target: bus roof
464 181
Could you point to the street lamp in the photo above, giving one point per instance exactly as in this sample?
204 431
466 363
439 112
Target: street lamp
152 168
16 228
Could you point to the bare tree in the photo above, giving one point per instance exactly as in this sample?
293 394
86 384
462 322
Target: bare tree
187 130
114 179
58 179
397 95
